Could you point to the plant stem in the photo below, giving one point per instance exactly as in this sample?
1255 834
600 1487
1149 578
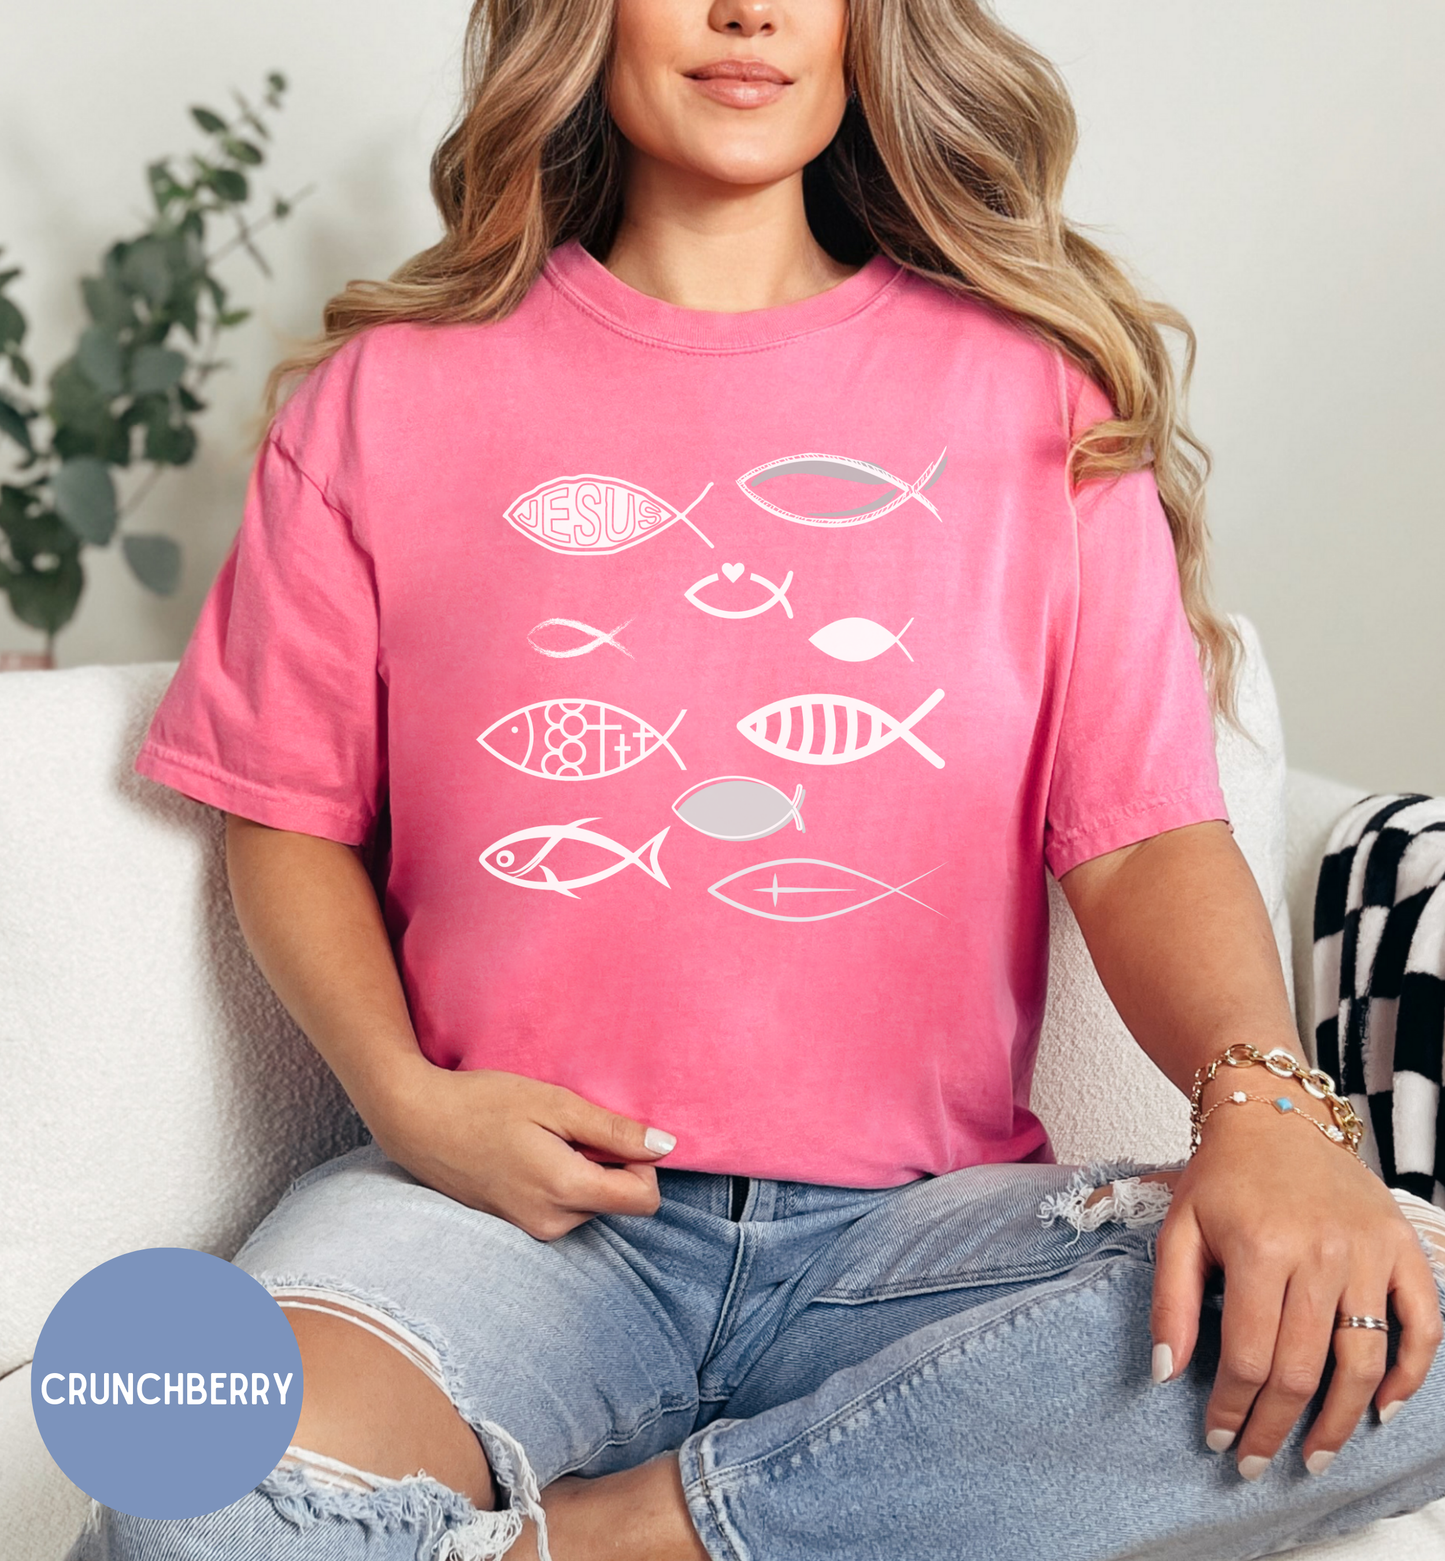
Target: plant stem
141 493
243 238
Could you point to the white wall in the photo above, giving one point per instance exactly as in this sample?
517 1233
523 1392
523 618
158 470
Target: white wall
1272 168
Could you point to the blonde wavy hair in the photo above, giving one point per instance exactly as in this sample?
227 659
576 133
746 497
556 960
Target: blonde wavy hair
951 159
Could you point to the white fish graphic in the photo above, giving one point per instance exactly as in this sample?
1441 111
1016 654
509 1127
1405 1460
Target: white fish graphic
755 898
845 469
858 639
798 726
736 807
576 739
501 861
594 515
734 574
599 637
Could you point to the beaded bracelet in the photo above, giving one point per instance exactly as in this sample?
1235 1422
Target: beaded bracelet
1347 1129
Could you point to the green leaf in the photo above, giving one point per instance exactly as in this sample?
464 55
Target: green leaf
18 367
145 269
47 599
156 369
85 497
35 535
276 81
107 303
280 208
189 400
229 185
14 423
154 561
170 444
244 151
231 318
12 324
74 399
209 121
100 356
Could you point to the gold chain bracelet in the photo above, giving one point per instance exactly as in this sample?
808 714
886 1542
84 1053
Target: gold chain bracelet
1347 1129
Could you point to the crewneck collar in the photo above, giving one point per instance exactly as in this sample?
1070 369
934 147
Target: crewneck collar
590 285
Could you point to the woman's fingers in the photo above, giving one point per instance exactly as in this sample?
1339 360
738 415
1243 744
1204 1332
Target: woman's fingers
1180 1270
1253 1302
1359 1366
1417 1305
1301 1349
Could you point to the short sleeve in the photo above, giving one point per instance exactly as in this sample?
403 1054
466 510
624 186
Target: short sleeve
276 712
1135 751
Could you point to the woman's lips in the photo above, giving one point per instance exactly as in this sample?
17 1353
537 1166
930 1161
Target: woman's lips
740 83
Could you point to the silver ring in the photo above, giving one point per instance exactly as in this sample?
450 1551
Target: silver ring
1362 1322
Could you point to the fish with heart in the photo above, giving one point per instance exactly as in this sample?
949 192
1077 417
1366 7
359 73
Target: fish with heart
790 889
737 807
806 729
858 639
575 739
732 573
591 516
800 482
501 860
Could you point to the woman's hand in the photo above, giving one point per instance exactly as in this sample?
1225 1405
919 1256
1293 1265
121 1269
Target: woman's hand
509 1146
1303 1232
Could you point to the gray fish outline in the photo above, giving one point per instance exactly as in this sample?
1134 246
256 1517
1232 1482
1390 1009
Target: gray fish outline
844 468
791 808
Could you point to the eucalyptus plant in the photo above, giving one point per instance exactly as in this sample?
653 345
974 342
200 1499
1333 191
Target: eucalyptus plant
127 398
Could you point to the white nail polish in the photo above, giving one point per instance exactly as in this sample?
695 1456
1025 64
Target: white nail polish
1319 1460
658 1142
1388 1413
1252 1467
1219 1440
1161 1366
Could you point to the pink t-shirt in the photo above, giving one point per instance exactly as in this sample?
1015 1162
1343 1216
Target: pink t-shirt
729 680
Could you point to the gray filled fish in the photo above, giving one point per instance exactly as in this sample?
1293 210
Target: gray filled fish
736 807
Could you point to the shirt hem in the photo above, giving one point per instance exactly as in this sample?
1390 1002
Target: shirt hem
1138 821
276 809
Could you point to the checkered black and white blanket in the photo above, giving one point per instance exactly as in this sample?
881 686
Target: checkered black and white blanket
1379 969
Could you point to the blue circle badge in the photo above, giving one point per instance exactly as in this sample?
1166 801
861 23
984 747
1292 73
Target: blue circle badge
166 1383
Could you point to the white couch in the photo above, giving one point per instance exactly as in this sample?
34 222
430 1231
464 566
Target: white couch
152 1091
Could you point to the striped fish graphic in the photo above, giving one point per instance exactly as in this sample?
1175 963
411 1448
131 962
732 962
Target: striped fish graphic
776 884
500 860
736 807
575 739
841 468
806 729
595 515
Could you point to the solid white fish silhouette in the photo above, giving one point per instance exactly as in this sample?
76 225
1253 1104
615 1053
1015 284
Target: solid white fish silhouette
797 727
775 890
858 639
575 738
737 807
599 637
501 861
845 469
734 573
595 515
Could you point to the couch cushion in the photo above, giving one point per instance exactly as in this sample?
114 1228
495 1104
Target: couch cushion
1097 1093
155 1093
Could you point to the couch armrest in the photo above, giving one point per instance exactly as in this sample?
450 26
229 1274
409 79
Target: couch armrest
1313 806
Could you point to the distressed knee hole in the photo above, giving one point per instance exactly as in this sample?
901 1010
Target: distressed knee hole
302 1298
1131 1201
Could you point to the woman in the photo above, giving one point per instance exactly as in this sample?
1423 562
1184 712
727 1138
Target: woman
695 1024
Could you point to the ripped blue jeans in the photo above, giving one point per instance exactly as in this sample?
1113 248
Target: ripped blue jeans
956 1368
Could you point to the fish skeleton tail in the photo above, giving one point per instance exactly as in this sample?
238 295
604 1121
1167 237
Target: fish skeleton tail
797 804
652 867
